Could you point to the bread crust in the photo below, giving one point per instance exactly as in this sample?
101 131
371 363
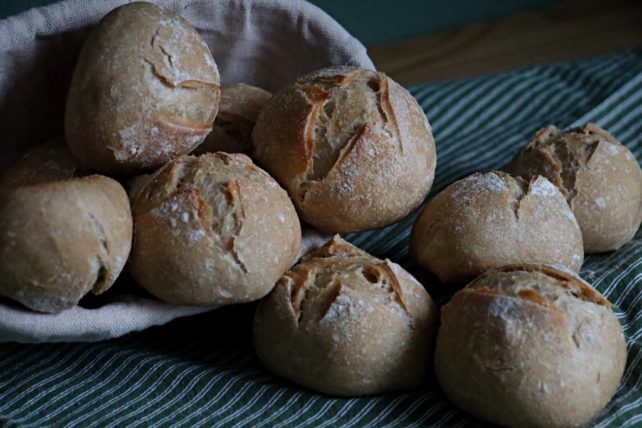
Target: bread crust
350 139
598 175
489 220
212 230
232 129
345 323
47 162
144 91
60 240
530 346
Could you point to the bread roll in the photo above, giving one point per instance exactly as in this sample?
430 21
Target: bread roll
145 90
351 146
345 323
62 239
212 230
490 220
232 129
599 176
41 164
530 346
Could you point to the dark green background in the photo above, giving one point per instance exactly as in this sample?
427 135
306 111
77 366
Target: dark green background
379 21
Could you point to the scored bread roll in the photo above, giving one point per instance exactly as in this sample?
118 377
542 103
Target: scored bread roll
598 175
212 230
60 240
237 113
489 220
144 91
352 147
530 346
345 323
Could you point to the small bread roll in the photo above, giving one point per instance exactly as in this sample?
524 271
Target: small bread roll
232 129
352 147
598 175
345 323
530 346
145 90
490 220
212 230
41 164
62 239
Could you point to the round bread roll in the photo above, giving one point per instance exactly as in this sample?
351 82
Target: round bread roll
62 239
350 139
530 346
598 175
212 230
490 220
345 323
145 90
232 129
41 164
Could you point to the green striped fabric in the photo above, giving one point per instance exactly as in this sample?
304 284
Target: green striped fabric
202 371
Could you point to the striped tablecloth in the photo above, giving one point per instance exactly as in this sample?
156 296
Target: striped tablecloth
202 371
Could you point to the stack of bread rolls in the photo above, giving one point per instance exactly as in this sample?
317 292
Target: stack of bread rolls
346 150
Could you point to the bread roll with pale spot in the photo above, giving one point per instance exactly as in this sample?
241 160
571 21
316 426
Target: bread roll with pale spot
237 113
345 323
490 220
598 175
60 240
212 230
352 147
530 346
145 90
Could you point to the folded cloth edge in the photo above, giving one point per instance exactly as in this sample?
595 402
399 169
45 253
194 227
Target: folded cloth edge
127 313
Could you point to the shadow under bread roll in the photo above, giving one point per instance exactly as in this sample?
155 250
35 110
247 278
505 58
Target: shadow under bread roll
237 113
40 164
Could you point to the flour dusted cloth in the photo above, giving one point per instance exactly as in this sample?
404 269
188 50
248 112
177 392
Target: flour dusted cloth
267 43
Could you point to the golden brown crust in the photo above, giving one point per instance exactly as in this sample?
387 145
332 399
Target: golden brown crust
552 361
59 240
599 176
565 280
345 323
348 138
212 230
145 90
489 220
232 129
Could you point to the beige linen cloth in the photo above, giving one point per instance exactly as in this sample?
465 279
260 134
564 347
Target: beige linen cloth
267 43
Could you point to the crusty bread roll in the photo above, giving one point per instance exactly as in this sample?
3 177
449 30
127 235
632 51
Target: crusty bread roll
345 323
599 176
352 147
61 239
41 164
212 230
145 90
237 113
490 220
530 346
